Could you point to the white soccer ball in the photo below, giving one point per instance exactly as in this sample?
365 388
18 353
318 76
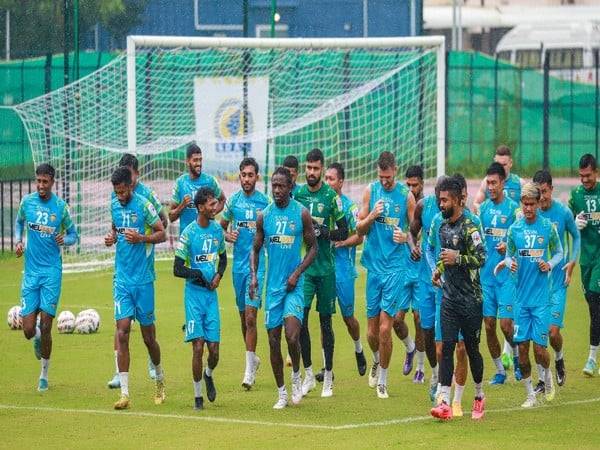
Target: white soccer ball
14 319
65 322
87 321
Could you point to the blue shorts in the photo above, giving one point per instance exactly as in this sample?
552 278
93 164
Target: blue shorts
344 289
385 292
410 292
427 295
532 324
280 304
202 320
499 298
558 302
134 302
241 287
40 292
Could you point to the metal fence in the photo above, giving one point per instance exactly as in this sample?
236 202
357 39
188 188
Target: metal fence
548 116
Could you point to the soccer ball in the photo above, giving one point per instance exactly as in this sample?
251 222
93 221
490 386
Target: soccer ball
87 321
65 322
14 319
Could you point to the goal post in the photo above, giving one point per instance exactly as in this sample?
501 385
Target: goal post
236 97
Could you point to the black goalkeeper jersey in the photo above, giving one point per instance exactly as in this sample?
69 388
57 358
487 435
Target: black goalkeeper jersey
460 281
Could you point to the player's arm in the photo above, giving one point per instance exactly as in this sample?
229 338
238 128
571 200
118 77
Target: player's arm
221 266
353 238
158 234
341 231
475 254
511 251
415 226
68 233
19 228
479 196
180 269
178 203
226 218
366 217
310 240
257 244
556 252
572 230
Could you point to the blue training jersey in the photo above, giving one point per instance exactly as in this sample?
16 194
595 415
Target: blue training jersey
241 211
345 257
529 243
200 249
563 220
184 185
134 263
430 209
150 194
381 254
496 219
42 221
283 231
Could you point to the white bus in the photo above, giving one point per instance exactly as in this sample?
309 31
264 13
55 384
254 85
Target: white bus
571 47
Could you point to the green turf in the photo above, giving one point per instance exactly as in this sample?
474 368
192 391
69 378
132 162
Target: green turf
79 406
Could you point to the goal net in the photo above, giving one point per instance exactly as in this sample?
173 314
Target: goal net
265 98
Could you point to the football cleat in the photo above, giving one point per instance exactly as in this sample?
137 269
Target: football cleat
198 403
308 384
42 385
530 402
382 391
419 377
374 375
115 383
589 369
539 388
561 374
408 362
159 395
442 411
457 409
361 363
507 361
478 408
211 392
499 378
122 403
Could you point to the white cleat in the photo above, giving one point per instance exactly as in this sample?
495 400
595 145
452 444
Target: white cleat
530 402
382 391
296 389
248 381
308 384
327 390
282 402
374 375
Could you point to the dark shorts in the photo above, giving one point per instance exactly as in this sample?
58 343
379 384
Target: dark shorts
464 319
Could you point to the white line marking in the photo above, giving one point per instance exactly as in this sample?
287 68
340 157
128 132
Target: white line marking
226 420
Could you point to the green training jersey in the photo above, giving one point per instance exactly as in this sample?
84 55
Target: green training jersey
588 202
325 208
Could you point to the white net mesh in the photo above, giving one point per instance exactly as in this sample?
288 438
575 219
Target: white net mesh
352 103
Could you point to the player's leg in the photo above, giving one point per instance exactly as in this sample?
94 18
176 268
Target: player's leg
123 330
251 312
419 344
30 307
426 296
386 324
593 301
404 293
470 326
114 383
460 377
326 295
373 297
197 352
50 288
212 336
522 336
240 281
309 382
539 336
505 293
346 298
490 312
292 337
449 337
274 304
557 313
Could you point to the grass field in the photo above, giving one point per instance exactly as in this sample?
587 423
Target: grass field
77 410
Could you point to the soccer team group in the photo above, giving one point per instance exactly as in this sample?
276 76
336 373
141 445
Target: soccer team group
508 259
